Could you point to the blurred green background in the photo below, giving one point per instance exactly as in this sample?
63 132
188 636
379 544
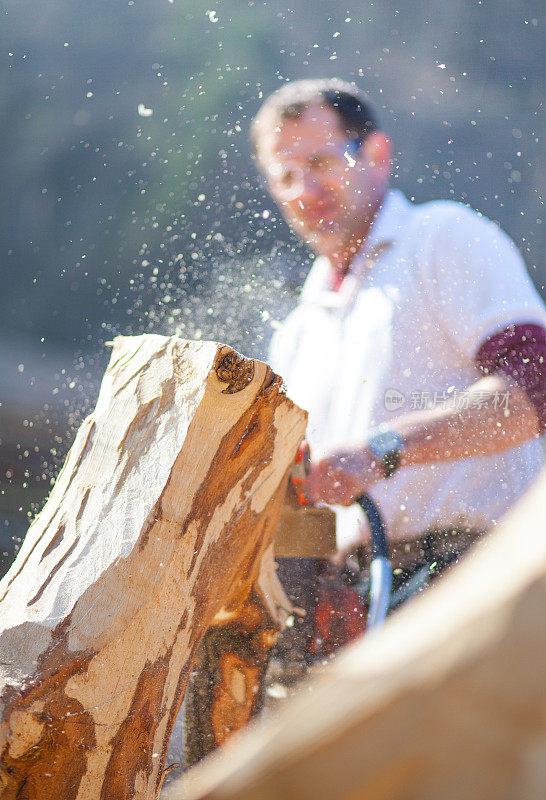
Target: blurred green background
129 201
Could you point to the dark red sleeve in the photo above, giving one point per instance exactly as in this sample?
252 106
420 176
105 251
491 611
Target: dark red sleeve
520 352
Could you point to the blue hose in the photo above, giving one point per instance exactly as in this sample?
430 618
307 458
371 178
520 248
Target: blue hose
380 567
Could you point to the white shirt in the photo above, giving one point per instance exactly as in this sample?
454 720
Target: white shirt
429 285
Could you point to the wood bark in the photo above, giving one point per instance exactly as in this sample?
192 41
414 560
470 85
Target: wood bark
160 523
447 700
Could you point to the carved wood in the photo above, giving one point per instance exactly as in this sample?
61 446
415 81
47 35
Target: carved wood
160 522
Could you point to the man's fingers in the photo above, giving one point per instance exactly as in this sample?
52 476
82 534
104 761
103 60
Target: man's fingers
326 483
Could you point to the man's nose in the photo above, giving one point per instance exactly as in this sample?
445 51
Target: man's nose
309 187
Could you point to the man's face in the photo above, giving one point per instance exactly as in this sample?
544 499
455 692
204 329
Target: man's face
323 184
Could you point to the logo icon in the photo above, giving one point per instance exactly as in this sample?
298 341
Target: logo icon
394 399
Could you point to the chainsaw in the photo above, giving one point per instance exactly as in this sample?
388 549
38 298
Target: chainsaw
308 531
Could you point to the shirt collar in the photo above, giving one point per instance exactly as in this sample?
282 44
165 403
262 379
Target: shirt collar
389 224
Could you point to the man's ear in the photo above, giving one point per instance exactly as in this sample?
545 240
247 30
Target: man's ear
377 150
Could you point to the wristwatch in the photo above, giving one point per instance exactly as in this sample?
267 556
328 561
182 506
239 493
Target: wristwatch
386 445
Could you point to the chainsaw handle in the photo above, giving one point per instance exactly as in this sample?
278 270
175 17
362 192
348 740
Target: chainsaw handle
380 567
380 546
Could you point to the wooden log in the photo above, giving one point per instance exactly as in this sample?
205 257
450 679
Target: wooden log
161 520
447 700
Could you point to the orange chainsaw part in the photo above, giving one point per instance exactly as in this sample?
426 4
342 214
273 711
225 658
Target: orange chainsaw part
339 617
299 472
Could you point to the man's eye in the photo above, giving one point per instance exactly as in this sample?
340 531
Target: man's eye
321 165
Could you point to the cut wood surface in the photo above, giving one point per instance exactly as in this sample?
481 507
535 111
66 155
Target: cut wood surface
446 702
160 523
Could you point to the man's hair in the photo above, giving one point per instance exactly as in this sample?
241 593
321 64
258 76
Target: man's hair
356 115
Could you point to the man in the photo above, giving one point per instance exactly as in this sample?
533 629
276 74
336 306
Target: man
418 345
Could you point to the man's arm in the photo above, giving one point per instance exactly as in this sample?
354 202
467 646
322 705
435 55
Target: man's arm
490 416
496 413
515 360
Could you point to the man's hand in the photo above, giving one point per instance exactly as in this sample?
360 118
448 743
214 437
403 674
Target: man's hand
342 476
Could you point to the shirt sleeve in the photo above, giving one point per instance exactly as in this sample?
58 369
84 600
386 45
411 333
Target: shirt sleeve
478 281
520 352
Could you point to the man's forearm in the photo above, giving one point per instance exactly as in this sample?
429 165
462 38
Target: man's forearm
492 422
495 415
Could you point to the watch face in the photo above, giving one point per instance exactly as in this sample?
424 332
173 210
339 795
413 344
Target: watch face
386 446
381 444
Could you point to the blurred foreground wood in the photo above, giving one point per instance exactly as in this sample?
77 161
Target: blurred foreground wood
446 702
160 524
